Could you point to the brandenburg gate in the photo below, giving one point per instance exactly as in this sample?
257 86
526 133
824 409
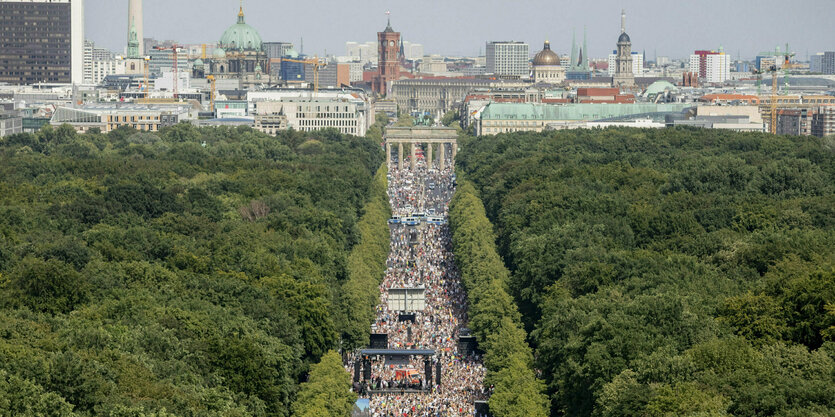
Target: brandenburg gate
443 137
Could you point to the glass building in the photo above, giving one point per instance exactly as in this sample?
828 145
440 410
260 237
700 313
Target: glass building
41 41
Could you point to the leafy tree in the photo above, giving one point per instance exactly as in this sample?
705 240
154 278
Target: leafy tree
49 286
756 317
517 392
658 272
327 391
131 286
20 397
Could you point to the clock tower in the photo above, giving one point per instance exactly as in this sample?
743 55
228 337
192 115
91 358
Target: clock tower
388 64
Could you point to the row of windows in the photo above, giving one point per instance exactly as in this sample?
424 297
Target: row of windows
310 115
125 119
494 130
349 131
145 127
328 123
327 108
506 123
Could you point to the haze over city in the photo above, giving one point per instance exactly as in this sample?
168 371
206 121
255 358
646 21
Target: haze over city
460 27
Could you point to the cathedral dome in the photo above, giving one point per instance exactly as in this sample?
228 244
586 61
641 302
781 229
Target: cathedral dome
546 56
241 36
624 38
219 53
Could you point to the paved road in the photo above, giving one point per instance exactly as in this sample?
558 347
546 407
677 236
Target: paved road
421 257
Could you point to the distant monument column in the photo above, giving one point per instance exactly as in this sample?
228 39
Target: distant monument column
414 155
388 155
429 161
135 18
441 155
454 152
400 156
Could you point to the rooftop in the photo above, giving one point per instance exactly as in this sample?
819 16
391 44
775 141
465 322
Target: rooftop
581 111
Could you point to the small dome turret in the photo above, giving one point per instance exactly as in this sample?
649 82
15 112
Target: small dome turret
624 38
546 56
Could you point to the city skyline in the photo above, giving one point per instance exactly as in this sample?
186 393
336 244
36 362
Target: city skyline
444 32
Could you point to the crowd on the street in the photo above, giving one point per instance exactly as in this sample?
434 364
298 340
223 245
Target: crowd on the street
421 257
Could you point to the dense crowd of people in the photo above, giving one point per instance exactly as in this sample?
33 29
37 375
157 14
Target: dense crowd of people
421 257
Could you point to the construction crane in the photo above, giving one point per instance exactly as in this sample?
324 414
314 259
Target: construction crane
788 64
787 59
316 65
147 59
759 75
176 78
773 122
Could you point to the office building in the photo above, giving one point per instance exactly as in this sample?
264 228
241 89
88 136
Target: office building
292 72
828 63
354 71
816 63
87 62
307 115
412 51
823 121
108 117
438 95
765 62
365 53
795 122
711 66
624 75
10 124
276 50
162 60
349 111
98 62
333 75
42 41
508 59
103 68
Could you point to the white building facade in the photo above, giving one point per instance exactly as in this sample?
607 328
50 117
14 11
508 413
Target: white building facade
362 52
349 111
508 58
717 67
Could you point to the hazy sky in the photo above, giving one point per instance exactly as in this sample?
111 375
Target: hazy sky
460 27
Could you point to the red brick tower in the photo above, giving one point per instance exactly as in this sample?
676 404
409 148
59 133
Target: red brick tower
388 64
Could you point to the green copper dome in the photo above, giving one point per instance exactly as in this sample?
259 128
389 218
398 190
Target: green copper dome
241 36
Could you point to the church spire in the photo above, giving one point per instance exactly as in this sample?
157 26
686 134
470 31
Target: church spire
622 21
388 22
241 13
133 41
